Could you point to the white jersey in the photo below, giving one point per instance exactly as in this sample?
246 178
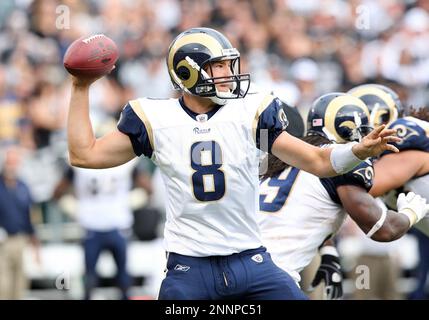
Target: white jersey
209 164
103 197
299 211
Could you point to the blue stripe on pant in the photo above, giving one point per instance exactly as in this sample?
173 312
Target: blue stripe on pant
94 243
250 274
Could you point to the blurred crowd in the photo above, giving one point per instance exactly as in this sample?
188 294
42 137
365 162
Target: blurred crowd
298 49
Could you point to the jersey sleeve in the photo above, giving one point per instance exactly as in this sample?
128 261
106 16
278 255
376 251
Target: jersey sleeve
271 122
132 125
361 176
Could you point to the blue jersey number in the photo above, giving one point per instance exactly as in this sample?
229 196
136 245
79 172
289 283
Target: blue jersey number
276 190
208 180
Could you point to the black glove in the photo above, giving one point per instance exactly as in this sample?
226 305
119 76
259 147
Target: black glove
330 272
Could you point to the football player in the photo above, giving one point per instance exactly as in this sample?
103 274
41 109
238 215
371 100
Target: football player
104 213
409 168
206 145
299 211
383 103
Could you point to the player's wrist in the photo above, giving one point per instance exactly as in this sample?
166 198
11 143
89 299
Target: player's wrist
411 215
359 152
343 159
80 84
329 250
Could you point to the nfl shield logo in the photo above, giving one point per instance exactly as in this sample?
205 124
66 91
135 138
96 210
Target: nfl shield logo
202 117
258 258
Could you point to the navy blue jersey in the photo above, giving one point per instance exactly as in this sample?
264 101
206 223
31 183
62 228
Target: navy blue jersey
274 121
361 176
131 125
414 133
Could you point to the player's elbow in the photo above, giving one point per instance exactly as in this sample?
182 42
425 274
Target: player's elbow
78 161
362 210
387 233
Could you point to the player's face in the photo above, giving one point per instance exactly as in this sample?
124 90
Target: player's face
221 69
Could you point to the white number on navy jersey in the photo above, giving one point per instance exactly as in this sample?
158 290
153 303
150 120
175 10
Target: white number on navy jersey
276 190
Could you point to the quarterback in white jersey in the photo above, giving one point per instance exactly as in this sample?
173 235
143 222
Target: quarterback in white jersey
207 157
299 211
205 144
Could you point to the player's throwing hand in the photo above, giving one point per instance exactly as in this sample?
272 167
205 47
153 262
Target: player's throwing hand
376 142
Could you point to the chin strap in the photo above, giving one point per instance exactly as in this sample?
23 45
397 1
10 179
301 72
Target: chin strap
218 100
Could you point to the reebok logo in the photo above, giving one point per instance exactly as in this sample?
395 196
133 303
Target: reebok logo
180 267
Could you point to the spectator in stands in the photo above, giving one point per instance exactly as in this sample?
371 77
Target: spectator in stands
15 227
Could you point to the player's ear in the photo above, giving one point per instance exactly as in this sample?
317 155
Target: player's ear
208 68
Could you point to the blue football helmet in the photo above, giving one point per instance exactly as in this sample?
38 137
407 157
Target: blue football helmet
383 103
189 56
340 117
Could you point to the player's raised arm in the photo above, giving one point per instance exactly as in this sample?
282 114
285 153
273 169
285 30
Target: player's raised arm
375 220
412 163
85 150
325 162
88 59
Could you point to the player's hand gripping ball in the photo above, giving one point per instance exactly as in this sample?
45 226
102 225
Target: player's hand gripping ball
92 56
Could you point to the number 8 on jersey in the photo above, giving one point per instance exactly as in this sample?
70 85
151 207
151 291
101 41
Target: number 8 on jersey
208 180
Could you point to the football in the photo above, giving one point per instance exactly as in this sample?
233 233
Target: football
91 56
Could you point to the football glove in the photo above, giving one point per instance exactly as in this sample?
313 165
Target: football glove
413 206
330 272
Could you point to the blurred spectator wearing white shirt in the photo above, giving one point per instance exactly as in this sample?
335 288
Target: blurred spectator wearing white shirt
305 73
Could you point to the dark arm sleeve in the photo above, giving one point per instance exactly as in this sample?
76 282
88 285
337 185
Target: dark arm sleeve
131 125
361 176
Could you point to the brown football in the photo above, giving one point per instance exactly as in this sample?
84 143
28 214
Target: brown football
91 56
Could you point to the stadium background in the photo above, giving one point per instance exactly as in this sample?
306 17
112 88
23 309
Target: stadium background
300 49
